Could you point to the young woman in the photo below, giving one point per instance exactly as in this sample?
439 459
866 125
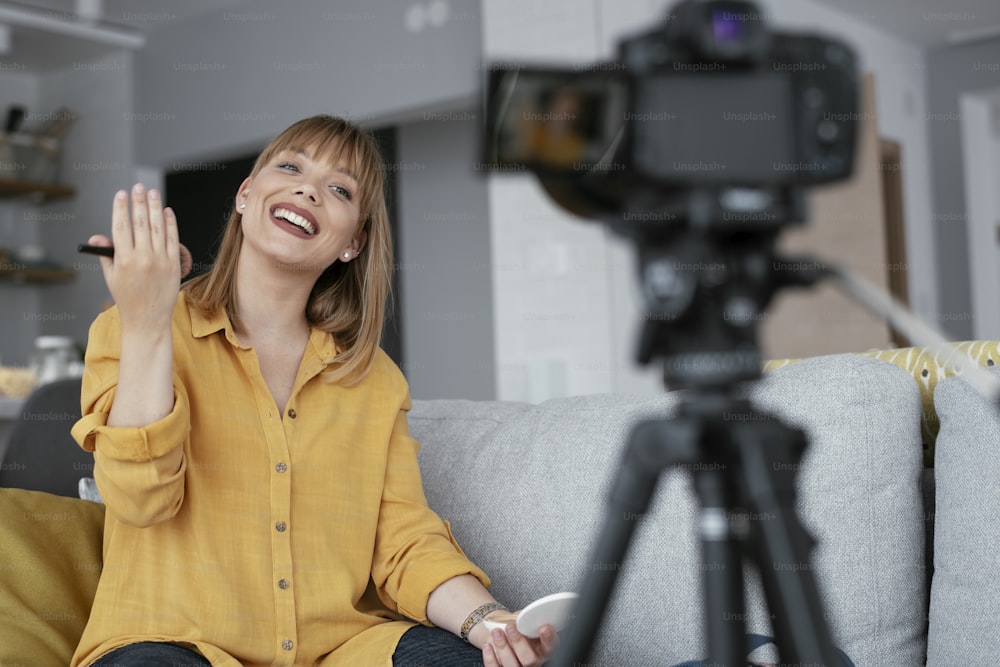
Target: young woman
264 505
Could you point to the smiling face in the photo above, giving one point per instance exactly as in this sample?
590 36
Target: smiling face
302 211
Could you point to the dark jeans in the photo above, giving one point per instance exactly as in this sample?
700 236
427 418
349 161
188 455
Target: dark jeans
153 654
422 646
419 646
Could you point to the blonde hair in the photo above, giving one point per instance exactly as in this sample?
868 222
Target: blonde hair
348 299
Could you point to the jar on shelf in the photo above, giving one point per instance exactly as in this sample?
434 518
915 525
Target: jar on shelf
55 358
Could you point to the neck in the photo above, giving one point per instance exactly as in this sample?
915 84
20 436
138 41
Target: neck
270 302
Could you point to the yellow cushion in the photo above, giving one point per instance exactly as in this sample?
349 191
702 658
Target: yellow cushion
50 561
927 368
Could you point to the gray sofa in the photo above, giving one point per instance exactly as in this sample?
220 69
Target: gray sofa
524 487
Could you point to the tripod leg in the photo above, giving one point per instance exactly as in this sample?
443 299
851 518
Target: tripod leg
722 573
652 447
770 455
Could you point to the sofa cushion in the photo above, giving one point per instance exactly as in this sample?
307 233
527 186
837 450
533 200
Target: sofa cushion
525 485
927 367
965 593
50 561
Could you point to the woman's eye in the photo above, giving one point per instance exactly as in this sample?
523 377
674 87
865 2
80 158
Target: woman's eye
343 192
288 165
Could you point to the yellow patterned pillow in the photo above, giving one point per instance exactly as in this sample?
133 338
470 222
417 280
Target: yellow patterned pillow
927 368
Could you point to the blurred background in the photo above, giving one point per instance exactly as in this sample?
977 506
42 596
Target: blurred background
499 294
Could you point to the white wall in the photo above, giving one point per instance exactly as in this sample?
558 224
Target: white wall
585 343
552 306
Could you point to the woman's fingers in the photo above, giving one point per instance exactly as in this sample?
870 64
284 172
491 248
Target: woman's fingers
509 648
102 241
490 657
513 649
549 639
140 217
121 221
144 275
157 236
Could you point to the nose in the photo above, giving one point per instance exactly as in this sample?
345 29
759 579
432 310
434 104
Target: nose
307 189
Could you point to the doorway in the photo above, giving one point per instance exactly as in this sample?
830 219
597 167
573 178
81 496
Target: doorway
980 119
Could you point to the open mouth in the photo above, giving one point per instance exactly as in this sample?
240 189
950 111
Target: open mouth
295 220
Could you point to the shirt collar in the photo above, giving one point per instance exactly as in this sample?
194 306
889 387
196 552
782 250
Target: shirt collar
202 325
324 344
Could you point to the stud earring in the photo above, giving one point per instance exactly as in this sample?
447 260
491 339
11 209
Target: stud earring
347 255
242 206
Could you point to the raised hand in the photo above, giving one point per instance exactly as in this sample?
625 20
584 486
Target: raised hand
144 276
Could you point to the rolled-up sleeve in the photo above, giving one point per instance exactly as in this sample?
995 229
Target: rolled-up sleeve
139 470
415 551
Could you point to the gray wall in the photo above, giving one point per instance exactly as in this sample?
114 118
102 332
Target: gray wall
229 81
951 72
445 263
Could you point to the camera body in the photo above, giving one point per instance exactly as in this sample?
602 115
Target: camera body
710 98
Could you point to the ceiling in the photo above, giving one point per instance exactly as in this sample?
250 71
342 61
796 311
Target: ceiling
925 23
34 50
146 15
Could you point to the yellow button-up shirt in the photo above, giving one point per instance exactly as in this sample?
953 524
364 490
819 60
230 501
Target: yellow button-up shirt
254 536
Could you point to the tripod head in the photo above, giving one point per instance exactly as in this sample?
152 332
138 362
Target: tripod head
706 283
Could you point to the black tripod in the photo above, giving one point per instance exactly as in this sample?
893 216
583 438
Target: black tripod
705 287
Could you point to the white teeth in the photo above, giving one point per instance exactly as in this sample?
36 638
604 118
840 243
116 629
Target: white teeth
295 219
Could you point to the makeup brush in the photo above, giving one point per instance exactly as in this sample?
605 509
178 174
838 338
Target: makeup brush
108 251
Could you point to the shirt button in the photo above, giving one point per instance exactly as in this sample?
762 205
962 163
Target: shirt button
281 467
287 645
291 413
283 584
280 526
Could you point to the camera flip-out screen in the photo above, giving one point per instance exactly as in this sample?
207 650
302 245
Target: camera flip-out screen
554 121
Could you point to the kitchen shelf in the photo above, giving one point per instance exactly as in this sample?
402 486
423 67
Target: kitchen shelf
37 191
28 274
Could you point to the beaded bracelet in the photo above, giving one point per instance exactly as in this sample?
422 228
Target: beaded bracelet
478 615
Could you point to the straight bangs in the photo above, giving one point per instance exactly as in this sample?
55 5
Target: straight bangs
338 143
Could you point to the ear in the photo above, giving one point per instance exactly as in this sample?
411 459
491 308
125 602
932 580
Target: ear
243 191
358 243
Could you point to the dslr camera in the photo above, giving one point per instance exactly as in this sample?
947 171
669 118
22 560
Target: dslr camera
708 100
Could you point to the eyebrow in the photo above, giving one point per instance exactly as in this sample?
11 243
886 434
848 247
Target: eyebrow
343 170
